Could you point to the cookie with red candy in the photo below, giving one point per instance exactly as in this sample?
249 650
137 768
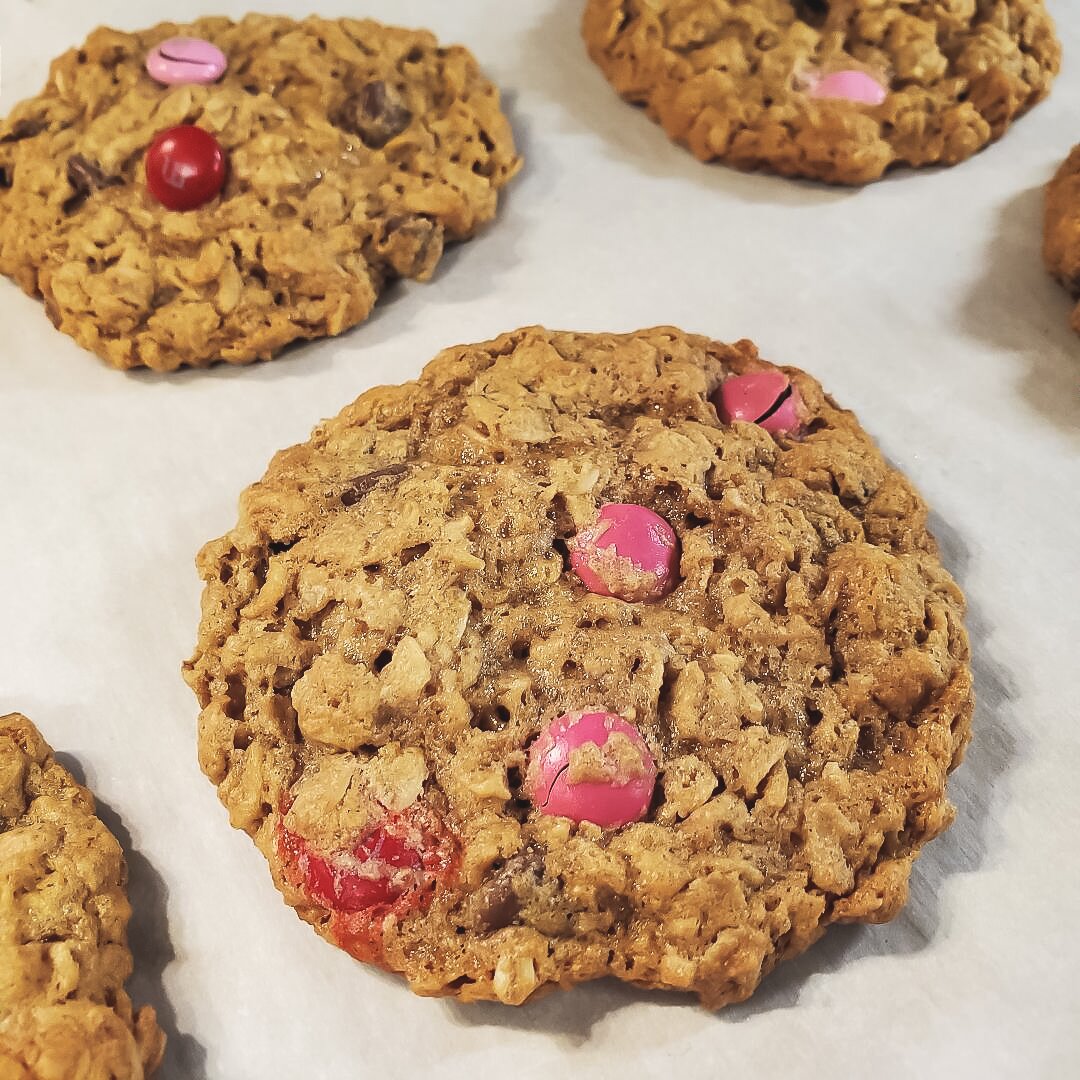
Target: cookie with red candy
379 852
584 655
214 191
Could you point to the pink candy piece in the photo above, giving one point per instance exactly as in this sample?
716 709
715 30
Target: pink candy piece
186 60
753 399
626 772
854 86
629 552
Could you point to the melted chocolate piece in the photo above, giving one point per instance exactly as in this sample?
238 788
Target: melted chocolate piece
498 903
377 113
359 486
86 177
26 129
412 244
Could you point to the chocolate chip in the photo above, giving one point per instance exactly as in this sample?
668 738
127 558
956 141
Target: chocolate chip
499 906
498 902
359 486
6 177
164 294
412 245
26 129
86 177
813 12
377 113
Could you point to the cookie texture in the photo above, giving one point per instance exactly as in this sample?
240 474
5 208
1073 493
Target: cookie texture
724 77
63 918
1061 232
393 621
355 153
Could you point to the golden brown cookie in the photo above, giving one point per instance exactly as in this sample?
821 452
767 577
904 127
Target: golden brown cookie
419 611
789 85
1061 228
63 920
352 153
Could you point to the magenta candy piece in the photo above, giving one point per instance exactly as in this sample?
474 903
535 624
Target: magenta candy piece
756 399
186 60
629 552
622 797
786 417
855 86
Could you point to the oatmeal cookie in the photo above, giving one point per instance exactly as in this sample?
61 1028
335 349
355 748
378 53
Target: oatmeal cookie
1061 229
836 90
349 154
584 655
63 919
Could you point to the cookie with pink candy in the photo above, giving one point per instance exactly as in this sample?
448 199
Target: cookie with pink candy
591 766
584 655
840 92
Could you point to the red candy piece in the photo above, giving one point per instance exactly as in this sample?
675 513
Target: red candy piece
345 884
394 869
185 167
612 790
629 552
766 398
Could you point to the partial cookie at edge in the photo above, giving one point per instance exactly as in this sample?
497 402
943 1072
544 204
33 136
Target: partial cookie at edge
63 918
1061 229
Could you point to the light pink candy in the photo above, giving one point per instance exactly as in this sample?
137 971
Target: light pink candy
750 397
855 86
183 60
608 805
629 552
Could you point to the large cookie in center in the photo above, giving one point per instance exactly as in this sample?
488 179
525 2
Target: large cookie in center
409 620
354 151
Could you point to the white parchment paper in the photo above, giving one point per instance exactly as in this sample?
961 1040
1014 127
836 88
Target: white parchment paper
920 302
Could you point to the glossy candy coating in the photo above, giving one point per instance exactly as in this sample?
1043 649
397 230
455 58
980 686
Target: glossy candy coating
609 804
629 552
855 86
185 167
759 398
183 60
